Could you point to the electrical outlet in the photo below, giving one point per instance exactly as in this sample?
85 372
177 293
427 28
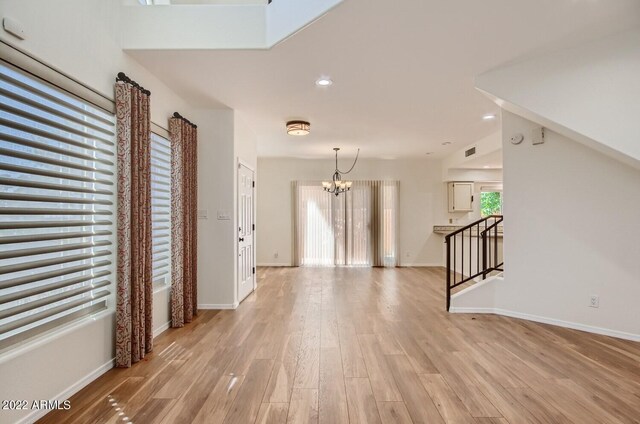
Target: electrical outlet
594 301
275 255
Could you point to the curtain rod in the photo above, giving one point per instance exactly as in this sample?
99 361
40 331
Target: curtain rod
123 77
177 115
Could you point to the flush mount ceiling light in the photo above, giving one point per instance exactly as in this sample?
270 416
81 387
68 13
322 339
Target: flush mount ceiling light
324 82
489 117
337 186
298 128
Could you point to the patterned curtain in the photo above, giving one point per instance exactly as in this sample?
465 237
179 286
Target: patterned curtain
134 333
184 232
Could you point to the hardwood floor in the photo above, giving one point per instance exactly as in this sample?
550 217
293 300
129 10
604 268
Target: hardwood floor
365 346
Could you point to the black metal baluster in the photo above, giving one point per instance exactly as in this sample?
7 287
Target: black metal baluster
455 253
495 245
448 272
462 256
477 248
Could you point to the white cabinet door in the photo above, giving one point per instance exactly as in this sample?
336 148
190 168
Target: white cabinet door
460 197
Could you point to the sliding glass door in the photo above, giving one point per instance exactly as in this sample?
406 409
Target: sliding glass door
357 228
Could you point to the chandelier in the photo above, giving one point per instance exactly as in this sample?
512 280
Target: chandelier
337 186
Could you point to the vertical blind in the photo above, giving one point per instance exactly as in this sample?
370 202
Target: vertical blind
57 166
357 228
161 208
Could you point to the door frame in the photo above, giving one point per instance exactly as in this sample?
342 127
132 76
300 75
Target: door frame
240 162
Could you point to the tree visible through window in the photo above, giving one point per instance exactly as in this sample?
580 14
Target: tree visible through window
490 203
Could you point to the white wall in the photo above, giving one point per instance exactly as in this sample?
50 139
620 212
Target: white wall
223 138
571 231
422 204
590 93
215 193
80 38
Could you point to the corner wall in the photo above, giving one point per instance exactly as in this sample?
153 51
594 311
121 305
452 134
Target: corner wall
216 272
223 139
571 231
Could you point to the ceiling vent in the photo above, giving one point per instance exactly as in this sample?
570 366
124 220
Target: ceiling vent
470 152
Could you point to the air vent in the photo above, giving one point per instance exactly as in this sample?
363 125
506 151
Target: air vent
470 152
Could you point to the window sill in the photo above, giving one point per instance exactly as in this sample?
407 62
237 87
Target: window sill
40 340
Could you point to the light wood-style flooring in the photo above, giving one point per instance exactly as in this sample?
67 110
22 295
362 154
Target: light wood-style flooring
324 345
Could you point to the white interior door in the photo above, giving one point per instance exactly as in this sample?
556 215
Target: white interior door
246 227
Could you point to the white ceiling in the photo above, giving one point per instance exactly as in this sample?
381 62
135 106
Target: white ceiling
403 71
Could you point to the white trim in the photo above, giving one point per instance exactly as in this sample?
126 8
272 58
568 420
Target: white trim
217 306
551 321
471 310
420 265
69 391
275 264
164 327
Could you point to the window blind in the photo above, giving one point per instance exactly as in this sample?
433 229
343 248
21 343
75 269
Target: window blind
161 208
57 203
357 228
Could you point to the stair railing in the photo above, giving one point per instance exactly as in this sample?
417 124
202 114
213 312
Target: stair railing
485 232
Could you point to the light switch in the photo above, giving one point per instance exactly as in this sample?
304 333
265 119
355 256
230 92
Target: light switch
224 215
203 214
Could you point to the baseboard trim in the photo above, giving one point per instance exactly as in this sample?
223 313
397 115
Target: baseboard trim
164 327
465 310
70 391
275 264
546 320
420 265
218 306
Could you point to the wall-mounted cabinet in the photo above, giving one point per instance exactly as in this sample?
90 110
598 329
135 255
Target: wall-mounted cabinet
460 196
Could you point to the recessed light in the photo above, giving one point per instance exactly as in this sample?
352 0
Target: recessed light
446 143
428 153
324 82
489 117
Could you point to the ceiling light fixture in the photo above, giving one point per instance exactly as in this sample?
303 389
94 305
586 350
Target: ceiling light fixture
337 186
298 128
489 117
446 143
324 82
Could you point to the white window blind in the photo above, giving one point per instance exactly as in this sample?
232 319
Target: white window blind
161 208
57 203
356 228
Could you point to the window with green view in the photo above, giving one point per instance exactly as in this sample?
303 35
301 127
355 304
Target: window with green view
490 203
